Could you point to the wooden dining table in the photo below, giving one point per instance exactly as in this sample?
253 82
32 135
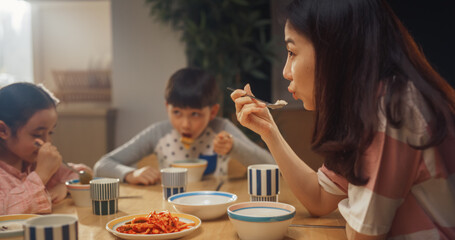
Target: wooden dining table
144 199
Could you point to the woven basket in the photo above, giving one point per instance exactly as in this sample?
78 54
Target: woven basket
83 86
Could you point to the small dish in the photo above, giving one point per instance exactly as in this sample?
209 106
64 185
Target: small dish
112 225
12 225
196 168
261 220
80 193
204 204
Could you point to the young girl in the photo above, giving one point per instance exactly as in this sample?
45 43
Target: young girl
32 176
384 122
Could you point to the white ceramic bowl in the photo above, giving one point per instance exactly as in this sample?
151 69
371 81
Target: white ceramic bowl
196 168
80 193
205 205
261 220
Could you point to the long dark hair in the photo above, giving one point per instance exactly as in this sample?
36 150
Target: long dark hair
19 101
361 47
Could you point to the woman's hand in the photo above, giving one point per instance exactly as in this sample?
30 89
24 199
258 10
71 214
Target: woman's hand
58 193
48 161
223 142
251 113
146 176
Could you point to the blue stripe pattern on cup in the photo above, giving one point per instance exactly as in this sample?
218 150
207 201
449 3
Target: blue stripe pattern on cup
104 189
52 227
263 180
264 198
105 207
169 191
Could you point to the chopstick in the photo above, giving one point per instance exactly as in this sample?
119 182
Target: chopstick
127 197
316 226
219 185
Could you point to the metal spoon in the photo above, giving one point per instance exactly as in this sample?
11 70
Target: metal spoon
84 177
276 105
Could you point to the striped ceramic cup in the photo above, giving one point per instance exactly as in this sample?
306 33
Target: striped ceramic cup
263 182
104 193
51 227
173 181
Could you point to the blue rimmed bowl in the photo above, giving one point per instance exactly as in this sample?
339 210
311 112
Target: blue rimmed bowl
205 205
261 220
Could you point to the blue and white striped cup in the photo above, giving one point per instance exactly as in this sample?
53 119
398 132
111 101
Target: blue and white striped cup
263 182
173 181
104 193
51 227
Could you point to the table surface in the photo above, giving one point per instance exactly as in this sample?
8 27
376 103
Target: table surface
150 198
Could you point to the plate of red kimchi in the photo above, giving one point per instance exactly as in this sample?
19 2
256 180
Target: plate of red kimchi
155 225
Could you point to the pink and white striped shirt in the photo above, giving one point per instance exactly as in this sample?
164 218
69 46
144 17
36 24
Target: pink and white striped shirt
410 193
24 192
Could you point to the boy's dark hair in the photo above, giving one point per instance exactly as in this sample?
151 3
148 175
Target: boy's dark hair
19 101
191 87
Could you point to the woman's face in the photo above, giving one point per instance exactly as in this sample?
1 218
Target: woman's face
300 65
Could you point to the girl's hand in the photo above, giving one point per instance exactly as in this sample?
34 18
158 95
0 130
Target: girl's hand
48 161
58 193
223 142
146 176
81 167
251 113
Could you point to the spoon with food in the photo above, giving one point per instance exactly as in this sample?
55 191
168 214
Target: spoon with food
84 177
278 104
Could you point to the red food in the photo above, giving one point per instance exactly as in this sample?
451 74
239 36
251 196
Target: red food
154 223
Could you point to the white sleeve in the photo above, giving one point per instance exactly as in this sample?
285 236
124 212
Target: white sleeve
328 185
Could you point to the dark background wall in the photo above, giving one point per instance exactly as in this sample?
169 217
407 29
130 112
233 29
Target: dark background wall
432 24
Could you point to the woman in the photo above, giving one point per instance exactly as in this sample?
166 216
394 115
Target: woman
384 122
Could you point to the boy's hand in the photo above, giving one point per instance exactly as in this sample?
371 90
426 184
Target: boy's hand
145 176
223 142
58 193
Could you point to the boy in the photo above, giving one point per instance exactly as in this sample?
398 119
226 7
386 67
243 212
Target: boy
192 131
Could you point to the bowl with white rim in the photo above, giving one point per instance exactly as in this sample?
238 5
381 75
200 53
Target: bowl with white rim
206 205
261 220
80 193
196 168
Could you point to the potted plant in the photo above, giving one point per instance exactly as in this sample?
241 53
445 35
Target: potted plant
229 38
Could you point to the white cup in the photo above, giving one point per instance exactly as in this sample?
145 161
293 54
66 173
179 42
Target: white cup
263 182
196 168
173 181
104 193
54 226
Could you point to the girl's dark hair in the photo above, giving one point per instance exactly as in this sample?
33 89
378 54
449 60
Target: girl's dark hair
191 87
361 46
19 101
